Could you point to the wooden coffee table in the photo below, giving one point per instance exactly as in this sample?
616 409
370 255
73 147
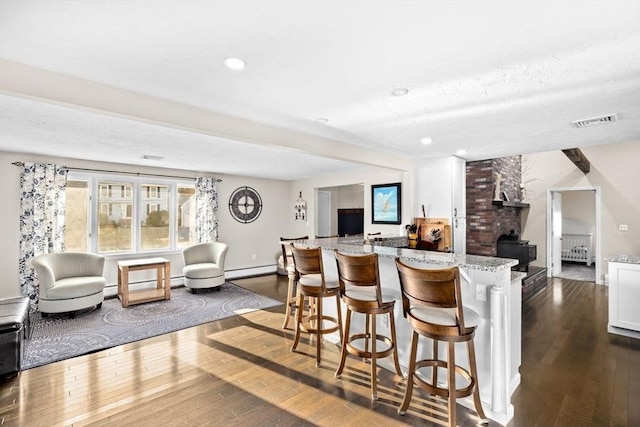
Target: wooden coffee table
161 291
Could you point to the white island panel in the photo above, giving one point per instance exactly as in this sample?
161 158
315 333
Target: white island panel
624 295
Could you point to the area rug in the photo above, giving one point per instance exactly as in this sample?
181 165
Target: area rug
62 337
576 271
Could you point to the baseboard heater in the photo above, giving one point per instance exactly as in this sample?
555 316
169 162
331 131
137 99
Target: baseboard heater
111 290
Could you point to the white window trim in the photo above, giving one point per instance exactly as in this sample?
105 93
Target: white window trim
136 183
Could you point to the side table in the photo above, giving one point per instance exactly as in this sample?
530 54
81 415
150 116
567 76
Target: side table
160 292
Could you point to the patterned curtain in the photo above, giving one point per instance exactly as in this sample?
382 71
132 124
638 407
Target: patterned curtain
206 209
42 211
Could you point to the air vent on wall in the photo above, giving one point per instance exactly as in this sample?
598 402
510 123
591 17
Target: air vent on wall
150 157
595 121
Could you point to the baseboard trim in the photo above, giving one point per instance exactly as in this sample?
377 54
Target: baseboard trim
251 271
112 290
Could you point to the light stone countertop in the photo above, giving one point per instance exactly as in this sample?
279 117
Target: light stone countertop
355 245
627 259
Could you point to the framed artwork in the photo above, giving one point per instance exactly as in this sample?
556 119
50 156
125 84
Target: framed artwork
386 203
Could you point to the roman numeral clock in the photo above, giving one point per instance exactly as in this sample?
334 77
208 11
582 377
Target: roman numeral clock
245 205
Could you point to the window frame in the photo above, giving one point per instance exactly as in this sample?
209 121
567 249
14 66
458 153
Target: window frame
95 188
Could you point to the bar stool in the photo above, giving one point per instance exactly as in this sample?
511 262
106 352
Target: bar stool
432 303
360 291
312 283
289 267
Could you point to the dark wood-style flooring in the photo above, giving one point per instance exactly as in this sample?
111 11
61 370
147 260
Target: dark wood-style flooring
240 372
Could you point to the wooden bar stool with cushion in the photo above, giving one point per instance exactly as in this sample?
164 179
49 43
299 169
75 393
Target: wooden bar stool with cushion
286 260
311 282
432 303
360 291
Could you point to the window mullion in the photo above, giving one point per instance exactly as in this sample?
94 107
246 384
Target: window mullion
135 229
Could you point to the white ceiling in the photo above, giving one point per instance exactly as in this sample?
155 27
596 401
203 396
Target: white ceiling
494 78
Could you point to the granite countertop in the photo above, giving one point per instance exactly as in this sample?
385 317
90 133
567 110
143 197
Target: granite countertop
355 245
627 259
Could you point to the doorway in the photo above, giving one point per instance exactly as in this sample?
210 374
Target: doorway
573 233
333 199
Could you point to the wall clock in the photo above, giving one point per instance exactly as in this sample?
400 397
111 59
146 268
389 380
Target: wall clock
245 204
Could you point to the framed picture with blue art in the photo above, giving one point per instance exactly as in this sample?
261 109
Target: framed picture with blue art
386 203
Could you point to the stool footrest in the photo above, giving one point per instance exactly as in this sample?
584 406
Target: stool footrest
307 325
443 391
368 354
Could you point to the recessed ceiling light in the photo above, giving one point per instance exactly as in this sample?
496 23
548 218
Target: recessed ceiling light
426 140
400 91
322 120
461 152
234 63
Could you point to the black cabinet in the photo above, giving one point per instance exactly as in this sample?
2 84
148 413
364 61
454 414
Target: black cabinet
350 221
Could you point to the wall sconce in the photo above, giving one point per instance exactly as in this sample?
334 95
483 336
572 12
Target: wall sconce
301 209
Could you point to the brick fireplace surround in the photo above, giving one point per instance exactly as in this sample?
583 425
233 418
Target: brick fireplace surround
486 221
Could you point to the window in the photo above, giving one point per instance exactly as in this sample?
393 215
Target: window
154 232
114 228
152 207
186 207
153 192
130 214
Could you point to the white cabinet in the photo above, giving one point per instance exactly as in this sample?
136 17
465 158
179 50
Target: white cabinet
624 296
459 188
459 228
441 188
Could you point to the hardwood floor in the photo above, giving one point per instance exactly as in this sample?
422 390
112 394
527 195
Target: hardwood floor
239 371
573 372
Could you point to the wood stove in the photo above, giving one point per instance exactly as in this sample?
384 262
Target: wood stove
510 246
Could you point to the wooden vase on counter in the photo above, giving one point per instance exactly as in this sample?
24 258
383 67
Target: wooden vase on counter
413 240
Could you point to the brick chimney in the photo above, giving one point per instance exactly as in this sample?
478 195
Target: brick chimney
485 220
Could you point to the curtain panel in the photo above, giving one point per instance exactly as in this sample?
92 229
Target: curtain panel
206 209
42 212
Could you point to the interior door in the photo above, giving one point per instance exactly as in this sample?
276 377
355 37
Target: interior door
324 213
556 232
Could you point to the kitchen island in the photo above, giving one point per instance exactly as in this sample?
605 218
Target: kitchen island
488 286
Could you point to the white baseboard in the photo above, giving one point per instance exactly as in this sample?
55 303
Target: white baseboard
251 271
112 290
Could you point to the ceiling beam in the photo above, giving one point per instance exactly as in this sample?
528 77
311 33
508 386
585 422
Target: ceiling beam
42 85
579 159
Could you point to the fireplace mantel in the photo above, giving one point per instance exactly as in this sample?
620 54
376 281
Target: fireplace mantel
509 204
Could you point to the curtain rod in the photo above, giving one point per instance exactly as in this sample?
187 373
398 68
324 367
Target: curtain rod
121 172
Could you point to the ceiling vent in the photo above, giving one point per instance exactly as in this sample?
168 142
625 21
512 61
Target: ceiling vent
595 121
150 157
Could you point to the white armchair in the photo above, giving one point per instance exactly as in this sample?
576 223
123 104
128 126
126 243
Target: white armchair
204 265
69 281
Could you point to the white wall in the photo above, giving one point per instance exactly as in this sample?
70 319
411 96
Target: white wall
350 196
260 237
615 168
367 178
579 205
